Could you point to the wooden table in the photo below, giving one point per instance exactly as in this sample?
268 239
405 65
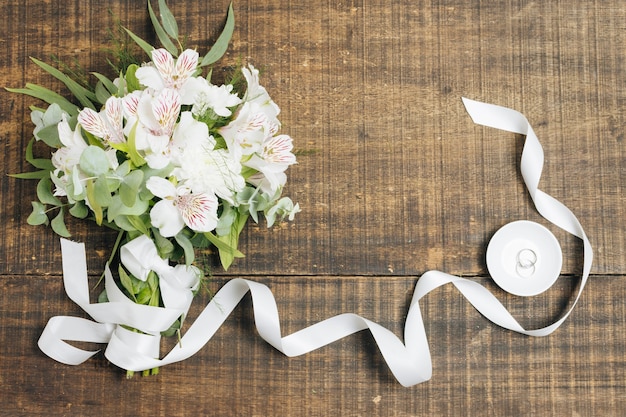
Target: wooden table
393 179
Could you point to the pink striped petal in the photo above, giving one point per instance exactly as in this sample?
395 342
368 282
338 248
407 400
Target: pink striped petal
164 63
199 211
186 65
166 108
93 123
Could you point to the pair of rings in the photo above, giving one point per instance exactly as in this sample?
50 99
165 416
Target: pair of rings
526 260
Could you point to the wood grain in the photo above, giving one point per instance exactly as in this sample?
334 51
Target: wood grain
393 178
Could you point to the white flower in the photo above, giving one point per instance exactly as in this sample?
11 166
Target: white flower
258 95
272 162
68 156
255 121
165 72
188 133
156 118
108 124
217 98
179 207
210 171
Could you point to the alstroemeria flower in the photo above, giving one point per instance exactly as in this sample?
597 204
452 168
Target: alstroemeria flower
156 119
165 72
106 125
257 94
217 98
255 120
179 207
272 162
68 156
188 133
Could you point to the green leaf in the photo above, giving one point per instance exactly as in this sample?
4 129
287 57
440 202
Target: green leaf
50 136
142 44
185 243
144 296
221 45
169 22
44 192
101 191
118 208
138 224
95 207
58 225
164 246
38 216
132 83
84 96
48 96
41 163
129 189
134 156
93 161
79 210
108 84
35 175
126 282
163 37
225 247
102 94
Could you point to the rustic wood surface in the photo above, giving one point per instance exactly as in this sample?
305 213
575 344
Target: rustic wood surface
393 179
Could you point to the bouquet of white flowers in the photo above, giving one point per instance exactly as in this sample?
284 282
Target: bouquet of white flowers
172 161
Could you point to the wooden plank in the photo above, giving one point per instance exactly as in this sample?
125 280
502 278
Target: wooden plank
477 366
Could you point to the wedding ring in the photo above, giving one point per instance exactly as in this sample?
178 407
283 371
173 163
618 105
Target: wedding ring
524 258
525 265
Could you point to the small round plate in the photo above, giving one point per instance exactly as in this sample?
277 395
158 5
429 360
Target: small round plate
524 258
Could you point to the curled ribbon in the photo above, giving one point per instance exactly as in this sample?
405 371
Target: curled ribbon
410 362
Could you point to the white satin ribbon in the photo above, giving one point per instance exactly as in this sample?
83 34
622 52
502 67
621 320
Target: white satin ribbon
410 362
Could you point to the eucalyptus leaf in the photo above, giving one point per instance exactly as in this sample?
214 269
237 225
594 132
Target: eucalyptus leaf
129 189
84 96
93 161
102 94
142 44
108 84
169 22
44 192
164 246
161 34
38 215
41 163
118 208
101 191
58 225
35 175
138 224
79 210
221 44
48 96
50 136
123 223
102 297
